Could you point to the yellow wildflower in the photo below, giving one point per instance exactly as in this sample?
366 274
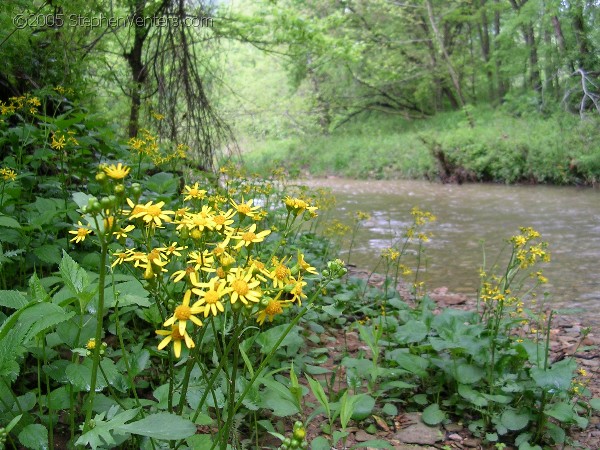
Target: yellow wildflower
243 286
183 313
80 234
176 337
210 299
117 172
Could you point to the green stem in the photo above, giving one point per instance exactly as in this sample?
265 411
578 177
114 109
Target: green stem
231 386
98 336
48 402
188 370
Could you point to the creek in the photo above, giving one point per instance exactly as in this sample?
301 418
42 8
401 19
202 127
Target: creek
473 217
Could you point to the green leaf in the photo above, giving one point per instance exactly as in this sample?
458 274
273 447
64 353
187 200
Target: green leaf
34 436
513 420
433 415
469 374
557 377
562 412
293 340
411 331
74 277
320 443
48 253
101 433
162 425
412 363
472 395
199 441
12 423
363 407
319 393
389 409
556 433
12 299
595 403
8 222
10 350
43 316
278 397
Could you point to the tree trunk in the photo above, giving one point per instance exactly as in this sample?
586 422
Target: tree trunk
535 79
584 46
484 38
502 84
136 64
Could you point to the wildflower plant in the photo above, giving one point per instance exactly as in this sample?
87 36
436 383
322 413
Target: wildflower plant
215 278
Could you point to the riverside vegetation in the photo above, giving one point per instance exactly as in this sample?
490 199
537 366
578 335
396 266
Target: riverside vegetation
141 310
505 145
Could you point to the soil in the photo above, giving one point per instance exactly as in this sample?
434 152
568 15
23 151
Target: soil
567 340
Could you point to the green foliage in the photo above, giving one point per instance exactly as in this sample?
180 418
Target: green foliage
557 150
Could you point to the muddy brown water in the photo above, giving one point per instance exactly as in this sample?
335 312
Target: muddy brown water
474 217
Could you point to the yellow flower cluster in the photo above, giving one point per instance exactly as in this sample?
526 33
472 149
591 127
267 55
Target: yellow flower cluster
298 206
420 219
337 228
60 139
8 174
215 264
148 145
23 103
528 251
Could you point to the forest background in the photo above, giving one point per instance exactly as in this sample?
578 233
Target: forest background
463 90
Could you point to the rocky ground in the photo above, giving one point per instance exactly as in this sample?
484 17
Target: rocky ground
408 432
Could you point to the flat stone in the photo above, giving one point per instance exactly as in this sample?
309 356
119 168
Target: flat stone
362 436
455 437
453 427
413 447
469 442
418 432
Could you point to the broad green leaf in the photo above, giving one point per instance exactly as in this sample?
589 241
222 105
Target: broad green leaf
363 406
48 253
412 363
320 443
389 409
433 415
102 432
278 398
12 299
162 425
34 436
293 340
8 222
469 374
556 433
81 198
513 420
319 393
74 277
10 350
563 412
128 293
595 403
199 441
472 395
44 316
411 331
557 377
